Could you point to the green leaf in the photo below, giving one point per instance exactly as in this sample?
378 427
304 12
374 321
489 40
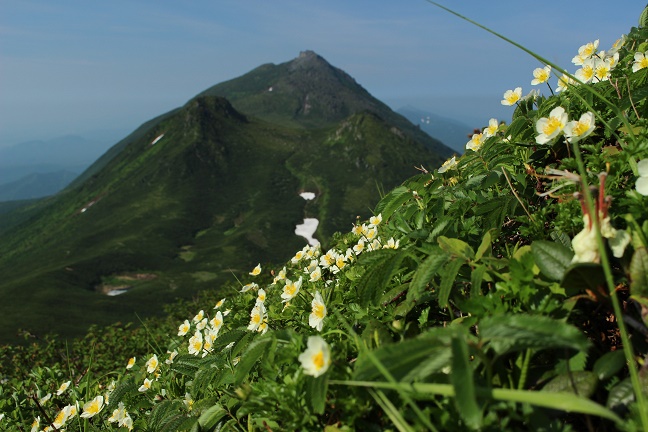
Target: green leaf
252 354
567 402
412 359
582 276
381 267
485 246
476 278
464 385
552 258
456 247
639 272
393 200
316 389
448 277
210 417
582 383
621 395
425 272
609 365
165 413
519 332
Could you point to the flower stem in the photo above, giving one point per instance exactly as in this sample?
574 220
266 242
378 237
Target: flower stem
616 305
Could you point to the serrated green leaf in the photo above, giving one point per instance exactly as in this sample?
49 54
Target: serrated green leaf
552 258
639 272
425 272
381 266
582 383
609 364
252 354
448 277
393 200
519 332
621 395
464 384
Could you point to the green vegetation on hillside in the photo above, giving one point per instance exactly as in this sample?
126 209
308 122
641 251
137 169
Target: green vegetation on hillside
505 290
196 196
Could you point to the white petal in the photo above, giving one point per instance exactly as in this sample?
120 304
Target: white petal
643 168
642 186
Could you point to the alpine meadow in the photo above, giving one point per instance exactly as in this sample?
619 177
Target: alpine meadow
502 289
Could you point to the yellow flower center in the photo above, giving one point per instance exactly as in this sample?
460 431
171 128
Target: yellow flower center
318 360
644 62
94 407
290 290
588 72
512 98
318 311
552 124
580 128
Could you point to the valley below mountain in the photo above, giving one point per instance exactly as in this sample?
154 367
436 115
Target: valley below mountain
203 193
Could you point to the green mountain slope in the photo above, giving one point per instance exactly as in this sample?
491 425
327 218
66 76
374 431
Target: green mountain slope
188 199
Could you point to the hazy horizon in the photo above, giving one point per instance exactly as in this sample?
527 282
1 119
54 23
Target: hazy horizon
74 67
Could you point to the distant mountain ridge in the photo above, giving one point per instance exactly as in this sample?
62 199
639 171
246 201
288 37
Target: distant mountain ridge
451 132
204 191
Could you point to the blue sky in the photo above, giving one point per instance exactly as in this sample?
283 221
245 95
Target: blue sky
71 66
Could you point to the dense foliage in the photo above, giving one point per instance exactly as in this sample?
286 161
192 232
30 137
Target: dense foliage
505 290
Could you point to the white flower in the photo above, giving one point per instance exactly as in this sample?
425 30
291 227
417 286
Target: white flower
587 72
640 61
549 128
202 324
564 82
249 287
219 303
316 275
642 182
184 328
586 247
35 426
449 164
512 96
585 52
62 388
256 270
491 129
291 289
217 321
541 75
317 357
318 312
391 244
131 363
93 407
45 398
476 142
146 386
172 355
199 316
195 343
256 316
375 220
578 129
152 364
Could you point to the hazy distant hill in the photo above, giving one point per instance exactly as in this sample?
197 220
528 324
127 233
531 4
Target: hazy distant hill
453 133
38 168
202 192
36 185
